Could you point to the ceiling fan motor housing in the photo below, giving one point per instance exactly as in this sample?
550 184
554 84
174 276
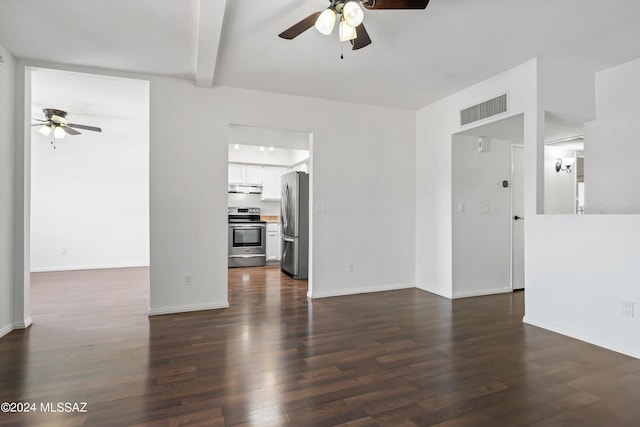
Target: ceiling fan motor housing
50 112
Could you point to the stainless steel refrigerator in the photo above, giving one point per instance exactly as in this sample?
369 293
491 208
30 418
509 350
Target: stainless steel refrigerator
294 217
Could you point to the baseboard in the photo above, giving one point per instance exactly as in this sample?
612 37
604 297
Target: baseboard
24 324
354 291
186 308
431 291
85 267
6 329
580 337
480 293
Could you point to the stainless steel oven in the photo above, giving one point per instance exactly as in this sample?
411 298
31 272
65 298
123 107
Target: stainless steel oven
247 238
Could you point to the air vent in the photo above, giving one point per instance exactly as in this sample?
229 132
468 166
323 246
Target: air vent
483 110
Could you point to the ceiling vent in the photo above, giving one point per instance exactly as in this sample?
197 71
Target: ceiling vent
483 110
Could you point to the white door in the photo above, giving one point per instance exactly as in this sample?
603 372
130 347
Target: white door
517 217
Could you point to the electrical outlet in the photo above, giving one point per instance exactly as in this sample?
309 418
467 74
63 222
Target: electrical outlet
63 251
627 308
187 279
349 268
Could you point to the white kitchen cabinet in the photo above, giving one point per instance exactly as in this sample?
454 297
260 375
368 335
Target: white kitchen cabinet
245 174
254 174
271 182
273 241
236 174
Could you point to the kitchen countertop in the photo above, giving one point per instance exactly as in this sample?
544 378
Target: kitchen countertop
270 218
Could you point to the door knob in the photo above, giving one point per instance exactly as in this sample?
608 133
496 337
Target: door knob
517 217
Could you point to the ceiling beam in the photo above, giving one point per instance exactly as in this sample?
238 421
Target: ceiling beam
210 17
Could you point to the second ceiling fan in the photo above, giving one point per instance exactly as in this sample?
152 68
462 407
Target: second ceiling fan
350 15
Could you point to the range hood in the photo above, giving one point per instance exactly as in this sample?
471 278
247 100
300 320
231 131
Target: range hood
245 188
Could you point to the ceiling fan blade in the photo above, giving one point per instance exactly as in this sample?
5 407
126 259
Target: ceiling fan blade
396 4
296 29
39 120
37 124
85 127
362 38
70 130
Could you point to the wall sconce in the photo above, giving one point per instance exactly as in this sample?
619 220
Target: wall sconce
565 164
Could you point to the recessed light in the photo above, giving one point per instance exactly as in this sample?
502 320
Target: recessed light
271 148
237 146
261 148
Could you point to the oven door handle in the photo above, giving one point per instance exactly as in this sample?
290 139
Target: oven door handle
247 225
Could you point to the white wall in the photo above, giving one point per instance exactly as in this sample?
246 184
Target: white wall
356 162
434 126
566 90
90 195
577 287
559 187
612 143
481 232
7 108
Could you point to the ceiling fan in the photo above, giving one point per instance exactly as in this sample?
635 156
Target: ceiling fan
55 120
350 18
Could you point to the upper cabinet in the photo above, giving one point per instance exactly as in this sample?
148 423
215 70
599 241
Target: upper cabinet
245 174
300 167
267 176
254 174
271 182
236 174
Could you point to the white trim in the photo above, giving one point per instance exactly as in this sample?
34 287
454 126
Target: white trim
24 324
511 213
86 267
6 329
353 291
482 292
431 291
559 330
186 308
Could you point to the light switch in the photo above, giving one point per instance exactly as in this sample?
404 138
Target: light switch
321 208
460 207
484 208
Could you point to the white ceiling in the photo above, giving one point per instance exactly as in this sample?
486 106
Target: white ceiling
118 105
417 56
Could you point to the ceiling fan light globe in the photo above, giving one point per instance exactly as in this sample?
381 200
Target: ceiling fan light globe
326 21
45 130
58 132
347 32
352 13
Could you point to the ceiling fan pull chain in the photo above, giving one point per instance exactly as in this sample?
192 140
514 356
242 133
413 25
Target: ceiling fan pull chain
341 55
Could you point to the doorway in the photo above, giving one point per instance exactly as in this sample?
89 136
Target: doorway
89 182
517 217
487 256
258 159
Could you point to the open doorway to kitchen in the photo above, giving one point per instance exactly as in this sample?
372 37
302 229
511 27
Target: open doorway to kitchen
487 213
269 216
89 194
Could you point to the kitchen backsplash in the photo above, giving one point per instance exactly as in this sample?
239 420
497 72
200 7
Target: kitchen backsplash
253 201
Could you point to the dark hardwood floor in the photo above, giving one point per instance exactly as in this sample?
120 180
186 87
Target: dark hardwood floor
398 358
